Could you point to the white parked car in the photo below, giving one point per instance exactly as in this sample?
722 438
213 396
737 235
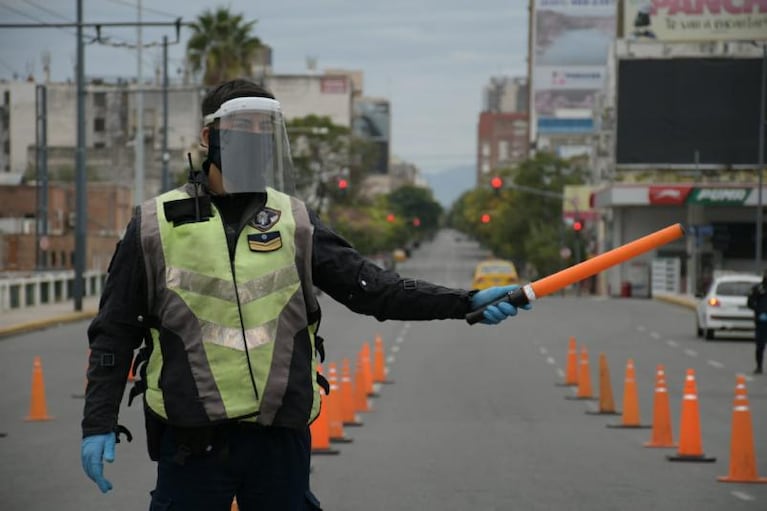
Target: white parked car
723 308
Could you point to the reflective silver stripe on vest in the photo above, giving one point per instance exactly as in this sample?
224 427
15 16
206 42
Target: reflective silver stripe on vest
293 313
232 337
224 289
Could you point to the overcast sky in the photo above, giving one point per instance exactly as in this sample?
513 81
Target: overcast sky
431 58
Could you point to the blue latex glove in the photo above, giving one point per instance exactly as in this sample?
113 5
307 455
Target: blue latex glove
495 313
94 450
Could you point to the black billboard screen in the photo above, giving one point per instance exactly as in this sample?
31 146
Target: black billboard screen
670 108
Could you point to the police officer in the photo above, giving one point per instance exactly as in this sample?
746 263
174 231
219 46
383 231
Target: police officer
217 279
757 301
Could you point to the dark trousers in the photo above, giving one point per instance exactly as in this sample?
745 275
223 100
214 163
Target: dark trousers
761 341
266 468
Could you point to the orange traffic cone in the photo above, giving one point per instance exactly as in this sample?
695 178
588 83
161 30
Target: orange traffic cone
319 429
690 443
348 405
606 402
234 506
661 416
333 406
367 369
630 418
742 457
584 378
379 365
361 403
571 372
38 411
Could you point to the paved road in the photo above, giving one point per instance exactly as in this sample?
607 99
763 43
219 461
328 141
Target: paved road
474 420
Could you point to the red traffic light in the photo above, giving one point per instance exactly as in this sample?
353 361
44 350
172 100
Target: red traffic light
577 226
416 222
485 218
343 184
496 183
390 217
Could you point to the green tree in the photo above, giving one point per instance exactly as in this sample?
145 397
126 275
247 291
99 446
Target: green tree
411 202
221 46
323 153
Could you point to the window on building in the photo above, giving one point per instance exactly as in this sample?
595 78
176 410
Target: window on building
7 97
485 167
99 124
485 149
503 150
100 99
99 145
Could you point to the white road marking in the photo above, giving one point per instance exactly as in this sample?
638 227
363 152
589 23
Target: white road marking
714 363
742 495
399 340
560 373
655 335
390 359
551 361
543 350
394 349
641 328
672 343
691 353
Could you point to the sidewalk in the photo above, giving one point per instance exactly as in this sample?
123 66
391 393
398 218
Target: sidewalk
18 321
687 301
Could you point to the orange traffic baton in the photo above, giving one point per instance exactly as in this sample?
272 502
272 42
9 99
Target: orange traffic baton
553 283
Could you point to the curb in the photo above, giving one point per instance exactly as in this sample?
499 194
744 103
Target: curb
682 301
42 324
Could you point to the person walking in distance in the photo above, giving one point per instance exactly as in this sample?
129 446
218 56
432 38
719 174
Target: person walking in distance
217 279
757 301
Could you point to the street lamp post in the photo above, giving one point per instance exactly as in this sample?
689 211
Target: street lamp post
760 164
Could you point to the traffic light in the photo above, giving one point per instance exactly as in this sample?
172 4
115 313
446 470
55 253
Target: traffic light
496 183
416 222
390 217
343 184
577 225
485 219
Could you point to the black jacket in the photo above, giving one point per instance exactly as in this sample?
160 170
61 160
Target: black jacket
757 299
338 270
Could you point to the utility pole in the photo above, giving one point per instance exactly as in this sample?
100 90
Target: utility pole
41 141
165 154
760 165
138 174
81 196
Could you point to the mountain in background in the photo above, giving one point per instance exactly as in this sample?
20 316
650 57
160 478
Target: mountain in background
449 184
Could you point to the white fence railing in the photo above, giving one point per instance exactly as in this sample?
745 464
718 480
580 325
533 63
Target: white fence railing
33 289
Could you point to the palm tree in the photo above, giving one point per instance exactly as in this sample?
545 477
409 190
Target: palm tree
221 46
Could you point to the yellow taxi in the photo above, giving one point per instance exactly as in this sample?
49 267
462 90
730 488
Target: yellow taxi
494 272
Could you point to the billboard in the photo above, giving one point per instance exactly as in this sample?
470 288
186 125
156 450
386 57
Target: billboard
372 121
698 20
571 39
671 109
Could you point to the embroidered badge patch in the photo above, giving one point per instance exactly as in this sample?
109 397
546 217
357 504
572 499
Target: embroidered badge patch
265 242
265 219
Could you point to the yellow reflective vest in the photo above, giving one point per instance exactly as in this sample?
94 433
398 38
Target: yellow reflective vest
231 339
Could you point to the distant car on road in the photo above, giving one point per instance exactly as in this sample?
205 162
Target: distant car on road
723 307
495 272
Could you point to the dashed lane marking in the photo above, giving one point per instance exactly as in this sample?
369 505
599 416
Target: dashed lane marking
655 335
742 495
543 350
395 349
691 353
390 359
551 361
714 363
672 343
641 328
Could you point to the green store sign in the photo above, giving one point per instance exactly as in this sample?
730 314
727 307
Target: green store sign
719 196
